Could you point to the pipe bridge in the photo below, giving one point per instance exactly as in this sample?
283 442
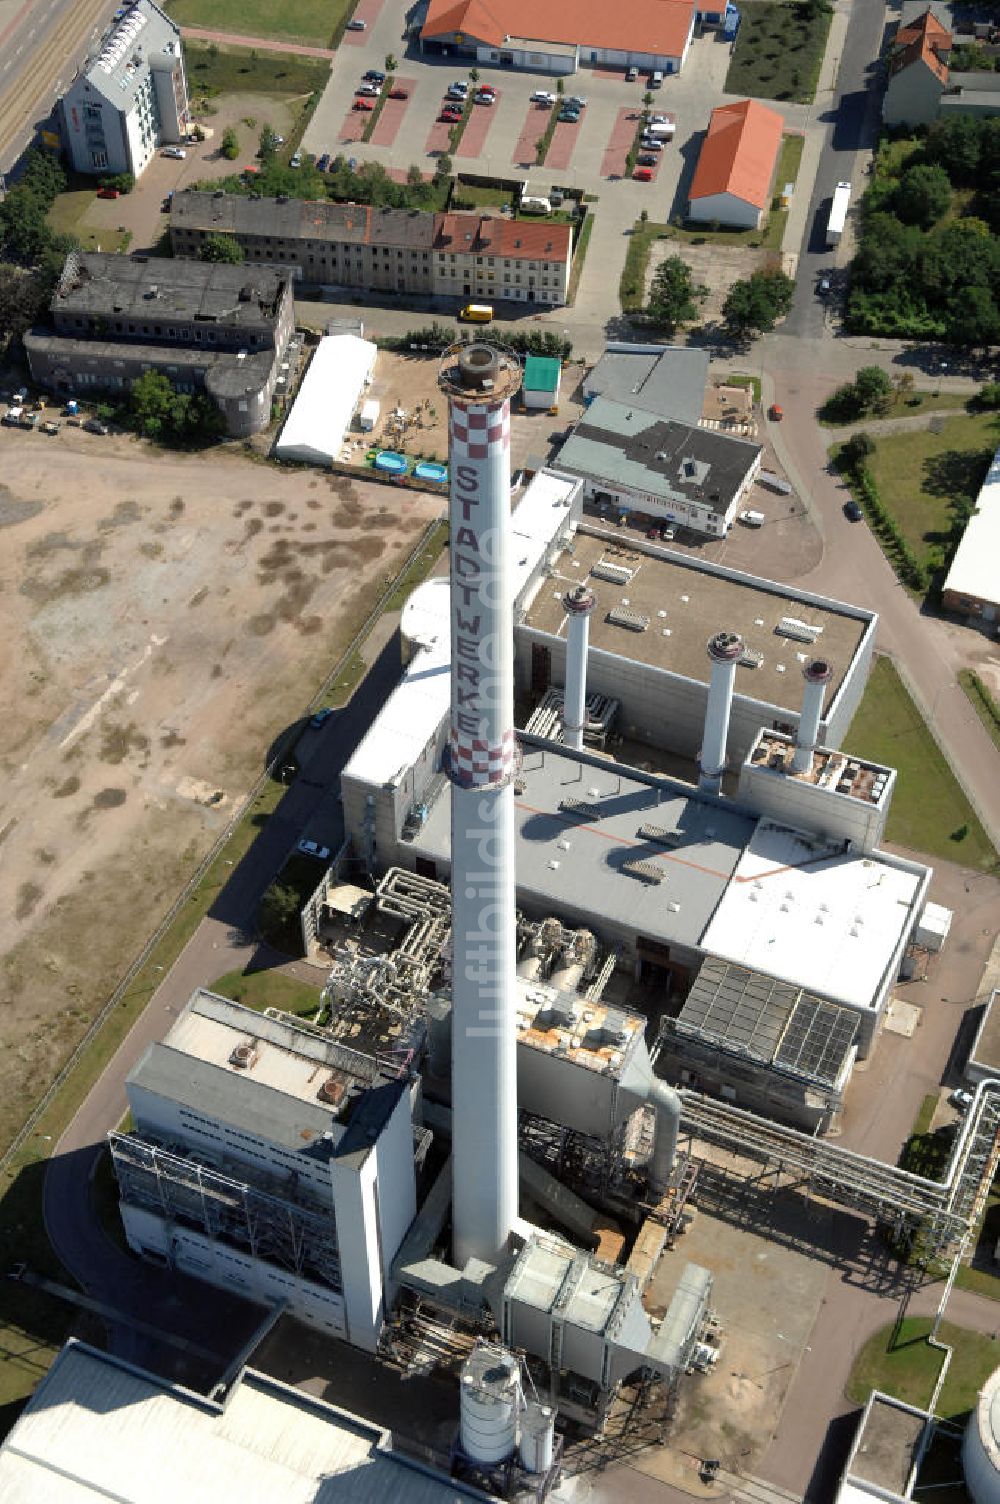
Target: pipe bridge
943 1209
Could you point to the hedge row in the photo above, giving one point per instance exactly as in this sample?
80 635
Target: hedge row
887 530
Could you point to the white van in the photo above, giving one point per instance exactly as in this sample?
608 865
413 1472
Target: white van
535 204
752 519
656 79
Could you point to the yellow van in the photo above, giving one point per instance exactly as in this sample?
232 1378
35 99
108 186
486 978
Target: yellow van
477 313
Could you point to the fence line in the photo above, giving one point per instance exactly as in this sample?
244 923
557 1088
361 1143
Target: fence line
101 1018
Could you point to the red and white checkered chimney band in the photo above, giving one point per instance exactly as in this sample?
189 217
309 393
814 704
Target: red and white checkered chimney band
477 764
478 432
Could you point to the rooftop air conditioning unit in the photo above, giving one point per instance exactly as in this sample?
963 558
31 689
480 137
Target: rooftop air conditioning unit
244 1055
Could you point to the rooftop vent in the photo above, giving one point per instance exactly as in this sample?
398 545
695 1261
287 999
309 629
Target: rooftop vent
633 621
797 630
646 872
661 836
244 1055
617 574
333 1090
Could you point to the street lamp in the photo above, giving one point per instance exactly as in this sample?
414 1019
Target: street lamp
942 368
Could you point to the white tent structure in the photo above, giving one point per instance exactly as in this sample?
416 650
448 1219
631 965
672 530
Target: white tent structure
338 375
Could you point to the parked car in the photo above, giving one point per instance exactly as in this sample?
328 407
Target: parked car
460 86
668 534
852 511
578 101
109 193
631 74
296 160
961 1099
177 152
313 848
650 143
27 420
450 114
50 427
399 94
653 534
659 120
323 162
824 286
373 76
543 96
571 116
643 174
486 96
317 720
647 160
369 88
94 425
356 24
363 104
775 413
12 417
456 94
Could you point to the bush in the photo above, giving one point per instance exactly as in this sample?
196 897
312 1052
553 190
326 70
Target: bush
223 248
124 182
987 399
230 144
754 306
673 296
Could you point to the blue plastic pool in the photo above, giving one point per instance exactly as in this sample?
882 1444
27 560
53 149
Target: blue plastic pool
388 459
431 470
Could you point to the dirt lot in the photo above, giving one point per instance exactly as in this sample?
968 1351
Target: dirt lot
165 616
716 267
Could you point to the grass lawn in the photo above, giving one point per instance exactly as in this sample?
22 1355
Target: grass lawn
420 567
908 1368
982 1277
919 475
312 22
632 287
929 812
778 51
239 70
268 989
904 405
479 196
752 382
66 217
580 255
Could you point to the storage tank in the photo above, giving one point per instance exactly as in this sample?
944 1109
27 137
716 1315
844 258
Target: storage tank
490 1400
538 1431
981 1444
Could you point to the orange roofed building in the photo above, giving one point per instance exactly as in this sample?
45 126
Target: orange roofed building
917 72
553 37
734 179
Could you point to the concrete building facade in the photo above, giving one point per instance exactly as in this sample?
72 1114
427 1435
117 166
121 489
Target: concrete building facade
396 250
917 74
130 96
206 327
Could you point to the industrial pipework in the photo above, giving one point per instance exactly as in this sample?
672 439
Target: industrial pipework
817 675
478 383
579 604
724 650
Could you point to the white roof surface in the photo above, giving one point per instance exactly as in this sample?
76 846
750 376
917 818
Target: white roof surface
98 1430
322 411
824 919
975 569
418 705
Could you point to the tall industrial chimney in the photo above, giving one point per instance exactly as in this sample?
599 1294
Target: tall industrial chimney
724 650
817 675
579 604
478 383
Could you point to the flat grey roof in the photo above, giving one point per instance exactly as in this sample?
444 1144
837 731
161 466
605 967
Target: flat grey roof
162 287
669 381
773 1022
301 219
687 602
578 838
986 1050
887 1443
121 61
625 445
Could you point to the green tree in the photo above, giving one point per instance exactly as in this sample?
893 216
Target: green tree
857 449
278 911
873 388
221 248
23 296
673 295
390 63
159 412
473 76
973 318
922 195
755 304
230 144
414 176
443 166
267 146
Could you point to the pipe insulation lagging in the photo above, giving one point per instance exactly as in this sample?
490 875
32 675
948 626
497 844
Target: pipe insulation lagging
666 1103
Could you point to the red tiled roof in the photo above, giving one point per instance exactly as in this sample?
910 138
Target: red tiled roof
516 239
924 41
739 152
662 26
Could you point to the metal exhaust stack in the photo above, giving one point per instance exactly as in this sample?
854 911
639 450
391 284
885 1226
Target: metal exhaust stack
817 675
725 650
479 383
579 604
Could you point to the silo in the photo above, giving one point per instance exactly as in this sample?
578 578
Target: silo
538 1432
981 1444
490 1400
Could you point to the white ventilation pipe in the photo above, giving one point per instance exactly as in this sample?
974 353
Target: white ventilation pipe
724 650
579 605
817 676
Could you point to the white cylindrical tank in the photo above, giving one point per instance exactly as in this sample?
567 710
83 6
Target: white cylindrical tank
981 1444
724 650
538 1432
817 675
490 1400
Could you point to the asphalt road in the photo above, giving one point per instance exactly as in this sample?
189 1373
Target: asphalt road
851 126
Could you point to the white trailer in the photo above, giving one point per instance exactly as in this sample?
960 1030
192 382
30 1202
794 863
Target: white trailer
838 213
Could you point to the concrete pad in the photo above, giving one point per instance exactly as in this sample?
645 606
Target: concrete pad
902 1018
391 118
478 128
622 136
